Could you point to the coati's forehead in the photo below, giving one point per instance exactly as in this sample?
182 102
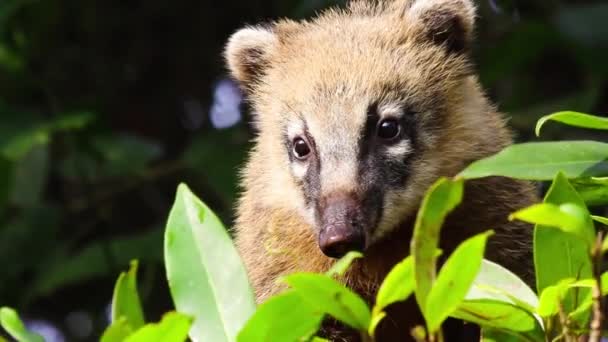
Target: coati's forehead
355 60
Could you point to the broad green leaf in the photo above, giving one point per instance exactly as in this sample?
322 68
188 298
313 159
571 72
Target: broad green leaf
568 217
172 328
493 335
551 297
439 200
557 255
501 300
285 317
117 331
500 315
10 321
593 190
574 119
216 294
542 160
340 266
125 301
454 280
496 282
328 296
319 339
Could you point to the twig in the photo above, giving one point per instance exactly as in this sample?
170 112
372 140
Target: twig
563 320
598 312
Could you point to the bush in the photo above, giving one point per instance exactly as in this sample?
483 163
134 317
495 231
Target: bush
215 302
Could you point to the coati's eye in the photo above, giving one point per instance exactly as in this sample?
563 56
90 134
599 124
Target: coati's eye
301 150
388 129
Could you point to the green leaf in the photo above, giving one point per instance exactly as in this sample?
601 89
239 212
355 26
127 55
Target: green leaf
92 261
552 296
556 255
172 328
119 330
542 160
498 299
574 119
600 219
340 266
285 317
10 321
328 296
125 301
206 276
439 200
593 190
569 217
18 138
498 283
493 335
582 312
499 315
454 280
397 286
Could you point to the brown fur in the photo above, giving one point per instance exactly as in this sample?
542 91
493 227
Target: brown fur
327 70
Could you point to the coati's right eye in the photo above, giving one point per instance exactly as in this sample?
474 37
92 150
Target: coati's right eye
301 150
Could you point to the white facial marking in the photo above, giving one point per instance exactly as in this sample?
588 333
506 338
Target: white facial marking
296 129
390 110
400 149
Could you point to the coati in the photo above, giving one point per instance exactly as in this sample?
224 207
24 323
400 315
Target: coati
359 111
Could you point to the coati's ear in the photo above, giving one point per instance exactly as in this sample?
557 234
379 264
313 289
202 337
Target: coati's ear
247 53
449 23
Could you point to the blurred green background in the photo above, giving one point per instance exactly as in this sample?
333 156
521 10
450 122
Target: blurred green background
106 105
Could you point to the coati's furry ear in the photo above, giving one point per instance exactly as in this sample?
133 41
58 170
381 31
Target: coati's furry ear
449 23
247 53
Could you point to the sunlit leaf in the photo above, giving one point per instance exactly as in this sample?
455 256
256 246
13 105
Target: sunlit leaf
125 301
552 296
117 331
499 299
216 294
454 280
574 119
328 296
557 255
340 267
172 328
285 317
10 321
567 217
439 200
543 160
397 286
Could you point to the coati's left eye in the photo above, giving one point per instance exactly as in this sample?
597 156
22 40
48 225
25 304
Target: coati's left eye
388 129
301 150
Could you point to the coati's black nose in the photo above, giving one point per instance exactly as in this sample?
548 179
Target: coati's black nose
341 225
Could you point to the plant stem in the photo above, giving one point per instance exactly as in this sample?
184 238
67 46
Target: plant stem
598 312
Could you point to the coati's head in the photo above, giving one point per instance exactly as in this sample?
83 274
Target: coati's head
359 111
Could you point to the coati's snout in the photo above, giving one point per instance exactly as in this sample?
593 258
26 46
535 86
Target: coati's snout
341 225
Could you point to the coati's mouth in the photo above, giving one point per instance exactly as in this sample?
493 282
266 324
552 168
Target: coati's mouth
342 225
